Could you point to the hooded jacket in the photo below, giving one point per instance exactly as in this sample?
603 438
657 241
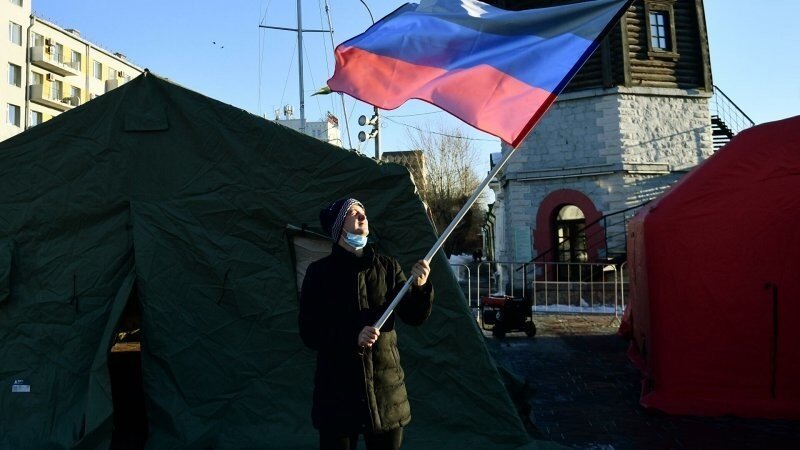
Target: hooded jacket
358 389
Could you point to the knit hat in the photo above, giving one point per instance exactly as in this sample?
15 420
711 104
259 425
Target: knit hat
332 217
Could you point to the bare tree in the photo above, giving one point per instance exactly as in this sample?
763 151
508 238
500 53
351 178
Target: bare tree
449 180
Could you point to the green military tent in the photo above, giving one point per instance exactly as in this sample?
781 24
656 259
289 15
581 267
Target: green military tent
158 193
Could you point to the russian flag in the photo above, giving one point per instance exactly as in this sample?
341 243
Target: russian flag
497 70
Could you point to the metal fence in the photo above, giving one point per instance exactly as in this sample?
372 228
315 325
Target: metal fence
555 287
468 277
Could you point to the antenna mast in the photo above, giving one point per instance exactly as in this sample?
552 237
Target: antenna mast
299 30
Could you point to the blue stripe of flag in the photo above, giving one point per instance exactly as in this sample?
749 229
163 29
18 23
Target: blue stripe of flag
434 41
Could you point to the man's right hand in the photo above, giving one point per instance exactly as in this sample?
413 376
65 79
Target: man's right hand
368 336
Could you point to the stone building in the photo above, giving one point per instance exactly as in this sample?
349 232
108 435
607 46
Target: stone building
633 120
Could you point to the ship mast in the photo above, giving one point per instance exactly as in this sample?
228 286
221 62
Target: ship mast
299 30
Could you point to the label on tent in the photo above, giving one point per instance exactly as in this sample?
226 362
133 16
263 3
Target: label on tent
20 386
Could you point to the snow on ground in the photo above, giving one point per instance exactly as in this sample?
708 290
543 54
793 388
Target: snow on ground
456 262
599 309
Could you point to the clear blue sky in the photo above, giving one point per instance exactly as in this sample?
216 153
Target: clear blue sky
217 48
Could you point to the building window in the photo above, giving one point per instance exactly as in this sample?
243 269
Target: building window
14 75
56 87
35 119
660 29
15 33
38 79
98 70
37 39
76 96
570 236
75 60
16 2
659 38
112 74
58 53
12 117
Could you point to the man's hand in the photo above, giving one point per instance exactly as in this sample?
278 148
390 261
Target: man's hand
368 336
421 270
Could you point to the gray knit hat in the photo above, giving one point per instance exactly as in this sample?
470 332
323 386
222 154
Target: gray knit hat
332 217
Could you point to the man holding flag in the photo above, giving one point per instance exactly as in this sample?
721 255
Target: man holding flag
497 70
359 386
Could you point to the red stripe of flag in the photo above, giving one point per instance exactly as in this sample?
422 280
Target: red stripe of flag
494 97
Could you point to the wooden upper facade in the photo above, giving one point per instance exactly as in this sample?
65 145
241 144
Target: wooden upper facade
658 44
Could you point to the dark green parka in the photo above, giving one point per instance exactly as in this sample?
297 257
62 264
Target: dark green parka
357 389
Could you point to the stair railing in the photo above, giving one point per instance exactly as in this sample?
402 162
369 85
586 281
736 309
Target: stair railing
729 112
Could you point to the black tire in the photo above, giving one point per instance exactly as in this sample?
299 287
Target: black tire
530 329
498 331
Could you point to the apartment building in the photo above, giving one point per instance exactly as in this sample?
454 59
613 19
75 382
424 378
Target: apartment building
50 69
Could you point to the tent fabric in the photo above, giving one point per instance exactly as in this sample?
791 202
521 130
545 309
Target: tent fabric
186 200
714 283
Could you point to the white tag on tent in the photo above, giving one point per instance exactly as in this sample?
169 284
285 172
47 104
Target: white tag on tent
20 386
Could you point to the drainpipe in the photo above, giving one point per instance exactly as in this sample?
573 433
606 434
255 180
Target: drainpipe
89 68
27 88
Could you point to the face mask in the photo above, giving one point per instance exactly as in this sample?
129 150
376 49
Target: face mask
357 241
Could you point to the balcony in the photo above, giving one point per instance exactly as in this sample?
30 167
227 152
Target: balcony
43 96
41 57
112 84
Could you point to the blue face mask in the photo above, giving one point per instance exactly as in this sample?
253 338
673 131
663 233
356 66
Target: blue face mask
357 241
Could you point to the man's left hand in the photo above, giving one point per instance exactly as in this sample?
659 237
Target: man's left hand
421 270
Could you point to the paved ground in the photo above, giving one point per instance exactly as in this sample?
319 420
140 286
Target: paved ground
586 394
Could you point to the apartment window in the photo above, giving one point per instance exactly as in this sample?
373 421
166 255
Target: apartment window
76 92
56 88
12 118
98 70
112 74
16 2
37 39
15 33
35 119
14 75
75 60
38 78
660 29
58 52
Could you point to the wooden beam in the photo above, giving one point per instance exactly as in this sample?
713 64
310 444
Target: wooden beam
702 34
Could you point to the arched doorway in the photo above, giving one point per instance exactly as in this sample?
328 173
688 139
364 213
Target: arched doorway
567 210
570 235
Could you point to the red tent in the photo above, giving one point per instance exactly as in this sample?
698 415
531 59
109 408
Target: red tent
715 283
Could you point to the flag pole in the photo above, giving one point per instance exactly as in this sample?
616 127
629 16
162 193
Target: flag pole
445 234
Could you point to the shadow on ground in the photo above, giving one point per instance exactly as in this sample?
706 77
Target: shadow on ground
586 394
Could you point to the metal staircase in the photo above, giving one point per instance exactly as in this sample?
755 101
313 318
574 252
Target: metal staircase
727 119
